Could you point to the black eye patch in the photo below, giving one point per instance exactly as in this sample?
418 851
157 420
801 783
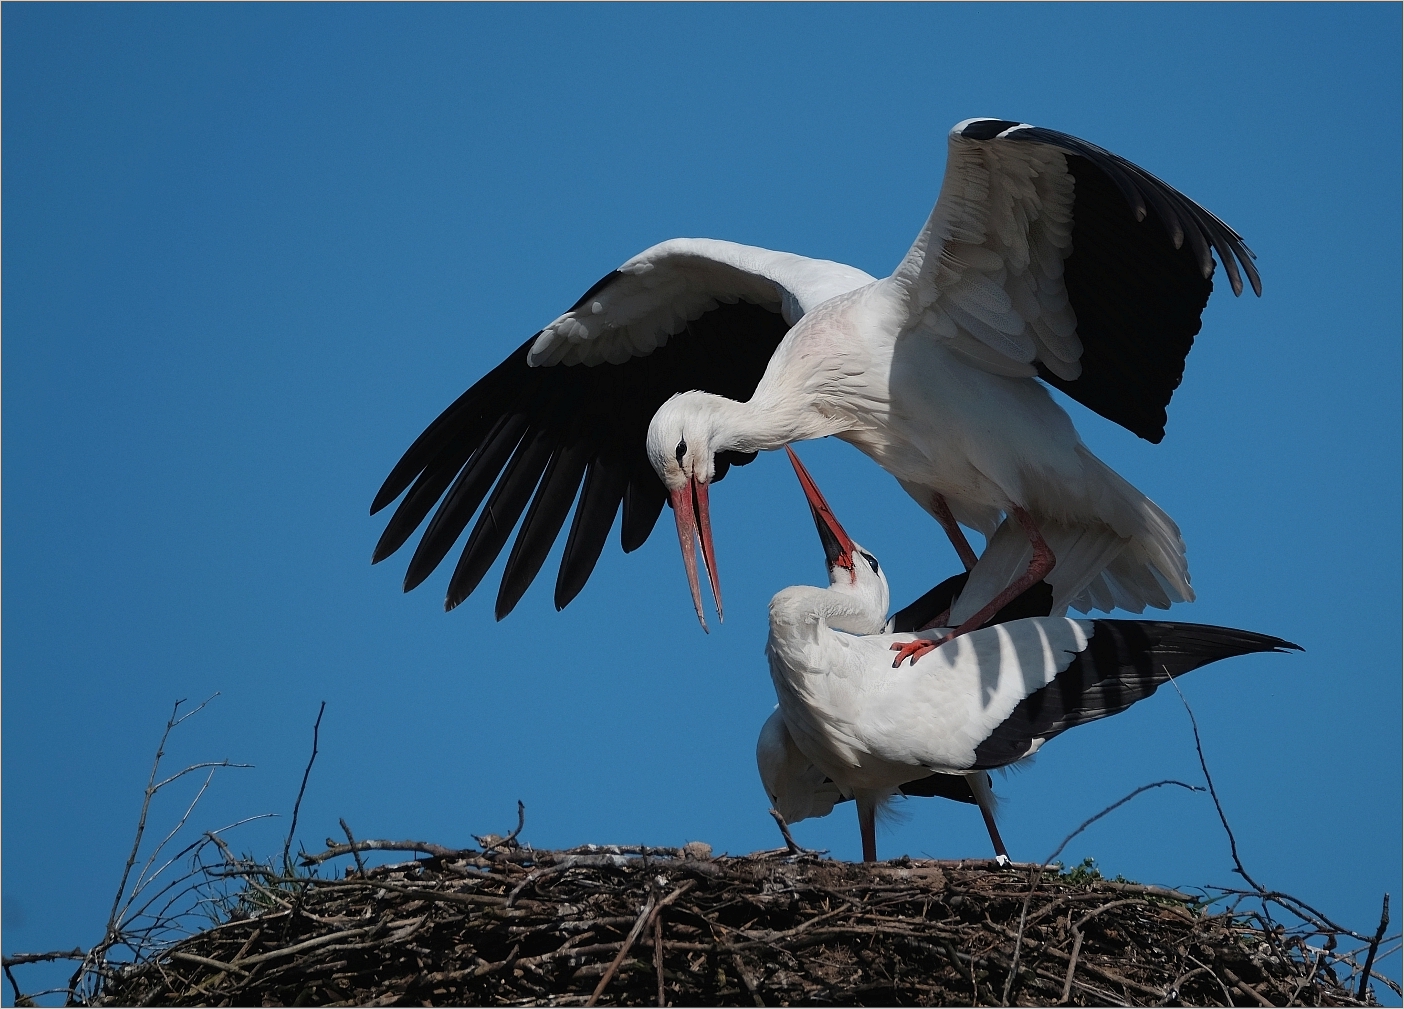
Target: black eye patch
872 561
681 450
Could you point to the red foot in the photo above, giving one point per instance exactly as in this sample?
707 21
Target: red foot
915 649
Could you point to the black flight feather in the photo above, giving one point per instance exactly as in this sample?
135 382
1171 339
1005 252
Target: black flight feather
1138 277
1124 662
603 409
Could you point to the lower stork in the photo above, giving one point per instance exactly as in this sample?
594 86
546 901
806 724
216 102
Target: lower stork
798 790
869 723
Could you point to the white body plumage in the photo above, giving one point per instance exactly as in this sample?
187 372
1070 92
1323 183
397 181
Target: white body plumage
869 724
1044 258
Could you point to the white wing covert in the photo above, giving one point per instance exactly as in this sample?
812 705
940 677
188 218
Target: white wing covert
1048 256
654 295
986 273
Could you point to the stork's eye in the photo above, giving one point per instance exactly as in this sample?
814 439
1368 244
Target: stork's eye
872 561
681 450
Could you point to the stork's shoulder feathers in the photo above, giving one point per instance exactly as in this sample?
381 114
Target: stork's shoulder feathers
635 309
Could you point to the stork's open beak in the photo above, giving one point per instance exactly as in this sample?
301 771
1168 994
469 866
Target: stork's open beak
838 548
694 527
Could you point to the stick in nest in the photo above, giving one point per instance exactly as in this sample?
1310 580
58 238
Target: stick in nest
1036 872
489 843
355 851
651 908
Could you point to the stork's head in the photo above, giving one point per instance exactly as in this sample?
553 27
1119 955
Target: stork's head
852 570
681 450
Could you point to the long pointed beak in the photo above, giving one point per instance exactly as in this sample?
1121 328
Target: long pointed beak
838 548
691 511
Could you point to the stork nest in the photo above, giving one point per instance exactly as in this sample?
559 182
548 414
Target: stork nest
655 926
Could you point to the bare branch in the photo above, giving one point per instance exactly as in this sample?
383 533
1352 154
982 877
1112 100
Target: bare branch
489 842
1118 803
292 829
171 723
59 954
1374 948
335 850
1036 872
1213 794
142 881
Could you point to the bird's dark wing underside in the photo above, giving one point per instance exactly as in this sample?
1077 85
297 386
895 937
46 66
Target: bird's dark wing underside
1124 662
1138 278
1138 302
541 438
938 786
1035 601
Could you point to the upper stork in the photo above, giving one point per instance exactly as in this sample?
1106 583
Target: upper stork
1046 260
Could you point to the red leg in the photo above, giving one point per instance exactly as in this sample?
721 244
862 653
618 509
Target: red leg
948 523
939 620
1042 563
867 826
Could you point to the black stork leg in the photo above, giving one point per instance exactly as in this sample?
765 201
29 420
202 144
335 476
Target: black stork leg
984 798
867 826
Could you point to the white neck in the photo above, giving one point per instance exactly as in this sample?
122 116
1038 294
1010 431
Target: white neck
763 423
802 609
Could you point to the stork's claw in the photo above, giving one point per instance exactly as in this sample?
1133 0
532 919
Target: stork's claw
915 649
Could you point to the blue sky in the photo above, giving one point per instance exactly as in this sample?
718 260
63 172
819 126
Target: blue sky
250 251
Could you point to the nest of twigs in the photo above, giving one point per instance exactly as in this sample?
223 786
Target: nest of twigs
656 926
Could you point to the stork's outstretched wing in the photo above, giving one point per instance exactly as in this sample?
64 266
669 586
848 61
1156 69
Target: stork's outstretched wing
568 412
1046 255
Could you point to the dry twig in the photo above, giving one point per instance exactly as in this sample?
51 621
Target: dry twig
297 804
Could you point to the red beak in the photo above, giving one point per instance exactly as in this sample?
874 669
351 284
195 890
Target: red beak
695 526
838 548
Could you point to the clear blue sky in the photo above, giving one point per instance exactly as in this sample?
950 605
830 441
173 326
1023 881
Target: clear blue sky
250 251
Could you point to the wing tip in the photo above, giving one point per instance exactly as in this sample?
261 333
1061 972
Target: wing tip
982 128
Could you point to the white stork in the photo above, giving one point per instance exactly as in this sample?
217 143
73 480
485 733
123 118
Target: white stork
869 724
1045 258
799 791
